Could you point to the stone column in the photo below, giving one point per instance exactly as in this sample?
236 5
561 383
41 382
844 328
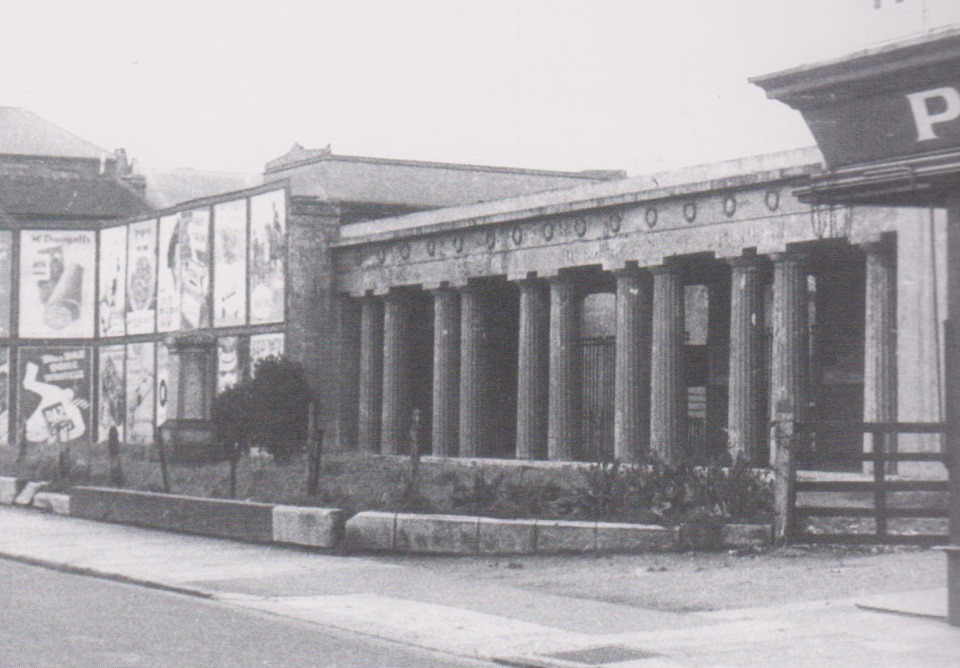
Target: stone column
533 376
788 382
880 349
668 395
397 399
472 391
349 364
745 432
371 374
718 365
631 426
563 427
446 371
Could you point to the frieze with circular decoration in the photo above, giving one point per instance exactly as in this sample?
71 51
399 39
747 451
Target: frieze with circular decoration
517 235
650 217
690 211
431 247
614 222
547 231
405 250
580 226
381 255
491 239
458 243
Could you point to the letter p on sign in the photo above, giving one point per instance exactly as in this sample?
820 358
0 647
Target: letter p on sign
924 119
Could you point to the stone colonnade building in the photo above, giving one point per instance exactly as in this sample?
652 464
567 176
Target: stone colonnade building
679 313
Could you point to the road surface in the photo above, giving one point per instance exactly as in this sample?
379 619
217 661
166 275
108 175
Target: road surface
60 620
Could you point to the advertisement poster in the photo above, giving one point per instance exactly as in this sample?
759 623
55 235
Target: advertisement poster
163 380
6 266
112 288
57 284
4 396
230 264
268 252
141 377
142 277
168 280
193 270
228 362
263 346
54 400
113 392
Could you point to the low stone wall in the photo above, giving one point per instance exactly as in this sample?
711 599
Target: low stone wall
455 534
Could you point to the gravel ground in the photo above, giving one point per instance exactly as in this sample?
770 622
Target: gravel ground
689 582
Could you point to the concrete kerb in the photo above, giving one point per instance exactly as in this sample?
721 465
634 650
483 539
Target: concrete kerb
9 489
54 502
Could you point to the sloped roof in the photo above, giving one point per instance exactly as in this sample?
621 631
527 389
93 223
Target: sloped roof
169 187
410 183
22 132
44 196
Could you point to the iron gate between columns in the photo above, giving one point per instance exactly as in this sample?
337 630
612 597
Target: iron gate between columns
598 368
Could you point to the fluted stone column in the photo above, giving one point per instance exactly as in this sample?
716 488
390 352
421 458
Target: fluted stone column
563 428
371 374
668 395
472 390
745 432
880 351
718 366
788 383
347 415
397 399
446 371
631 426
533 376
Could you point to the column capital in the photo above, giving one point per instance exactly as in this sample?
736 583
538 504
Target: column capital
885 243
630 271
798 257
664 269
564 280
747 261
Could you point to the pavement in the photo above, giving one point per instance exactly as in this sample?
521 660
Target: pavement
510 625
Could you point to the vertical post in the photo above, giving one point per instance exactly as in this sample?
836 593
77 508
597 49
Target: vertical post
879 492
668 395
880 345
397 397
533 361
745 431
631 426
371 374
787 396
952 381
563 427
446 371
472 380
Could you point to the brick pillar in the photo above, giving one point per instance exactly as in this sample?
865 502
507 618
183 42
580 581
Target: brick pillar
563 426
533 369
397 350
371 374
668 395
472 390
880 350
347 415
745 431
446 371
788 382
631 427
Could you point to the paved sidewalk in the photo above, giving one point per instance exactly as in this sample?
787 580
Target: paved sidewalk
419 607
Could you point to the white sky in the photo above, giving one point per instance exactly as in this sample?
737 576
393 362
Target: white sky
640 85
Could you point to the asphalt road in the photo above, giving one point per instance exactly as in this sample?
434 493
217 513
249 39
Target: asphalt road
53 619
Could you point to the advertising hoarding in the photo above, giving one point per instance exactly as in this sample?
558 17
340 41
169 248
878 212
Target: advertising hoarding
141 376
263 346
54 399
142 278
4 396
6 293
168 279
228 362
57 269
230 264
163 382
112 284
113 392
268 253
193 267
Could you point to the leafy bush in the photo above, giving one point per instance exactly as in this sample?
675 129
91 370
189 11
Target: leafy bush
269 410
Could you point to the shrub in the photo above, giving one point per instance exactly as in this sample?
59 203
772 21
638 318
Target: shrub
269 410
